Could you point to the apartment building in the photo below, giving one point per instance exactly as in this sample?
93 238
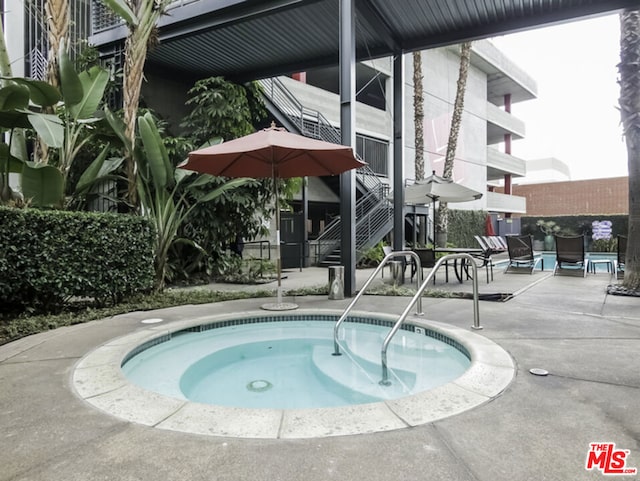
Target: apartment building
308 101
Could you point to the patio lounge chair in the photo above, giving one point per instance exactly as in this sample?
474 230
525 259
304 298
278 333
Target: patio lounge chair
570 254
497 242
622 254
493 244
521 256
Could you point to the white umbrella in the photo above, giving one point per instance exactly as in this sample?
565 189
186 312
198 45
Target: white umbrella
435 188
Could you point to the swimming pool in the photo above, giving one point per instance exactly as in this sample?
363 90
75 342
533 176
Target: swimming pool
99 380
289 365
550 260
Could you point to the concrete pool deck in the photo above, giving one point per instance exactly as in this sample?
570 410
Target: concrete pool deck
538 428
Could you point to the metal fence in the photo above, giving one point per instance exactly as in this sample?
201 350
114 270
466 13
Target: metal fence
36 36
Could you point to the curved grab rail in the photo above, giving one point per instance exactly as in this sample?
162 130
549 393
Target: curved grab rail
383 263
418 297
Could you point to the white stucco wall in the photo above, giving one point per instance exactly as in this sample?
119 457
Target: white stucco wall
440 74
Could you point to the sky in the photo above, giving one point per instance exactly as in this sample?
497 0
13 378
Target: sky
574 118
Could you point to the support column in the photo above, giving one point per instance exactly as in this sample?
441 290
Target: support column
305 217
398 152
348 137
507 150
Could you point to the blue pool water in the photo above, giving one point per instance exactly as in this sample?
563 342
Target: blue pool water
289 365
550 260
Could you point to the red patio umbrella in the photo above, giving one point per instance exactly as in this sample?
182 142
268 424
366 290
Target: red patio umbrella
277 154
488 227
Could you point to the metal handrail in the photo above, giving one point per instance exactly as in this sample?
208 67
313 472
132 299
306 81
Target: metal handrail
371 208
418 298
391 255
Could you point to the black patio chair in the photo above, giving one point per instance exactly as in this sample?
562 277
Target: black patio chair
427 259
522 259
570 255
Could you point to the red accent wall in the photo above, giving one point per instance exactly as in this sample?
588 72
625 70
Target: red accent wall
300 77
577 197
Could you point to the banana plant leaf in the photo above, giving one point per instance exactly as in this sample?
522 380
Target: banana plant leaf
49 127
15 120
118 127
41 93
156 155
72 91
100 168
43 184
93 83
15 164
14 97
121 8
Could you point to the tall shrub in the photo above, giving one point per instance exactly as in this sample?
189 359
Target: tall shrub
50 257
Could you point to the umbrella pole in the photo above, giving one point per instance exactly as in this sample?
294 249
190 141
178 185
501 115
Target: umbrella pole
278 258
278 305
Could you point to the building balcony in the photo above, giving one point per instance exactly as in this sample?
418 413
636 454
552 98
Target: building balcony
500 164
500 123
506 203
504 77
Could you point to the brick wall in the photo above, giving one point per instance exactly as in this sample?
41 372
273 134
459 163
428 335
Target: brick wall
578 197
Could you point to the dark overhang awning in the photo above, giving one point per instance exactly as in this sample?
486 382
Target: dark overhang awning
258 38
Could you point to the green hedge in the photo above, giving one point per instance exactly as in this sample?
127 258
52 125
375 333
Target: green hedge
575 224
464 225
49 257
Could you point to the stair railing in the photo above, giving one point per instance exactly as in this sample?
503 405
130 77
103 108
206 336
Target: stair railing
372 209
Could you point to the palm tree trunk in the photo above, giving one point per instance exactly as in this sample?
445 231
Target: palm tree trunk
418 112
136 46
629 69
57 12
58 22
456 122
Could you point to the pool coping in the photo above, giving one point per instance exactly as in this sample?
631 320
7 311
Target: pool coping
98 379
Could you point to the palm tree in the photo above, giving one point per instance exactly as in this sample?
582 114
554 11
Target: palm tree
418 115
456 121
57 13
629 69
141 17
58 22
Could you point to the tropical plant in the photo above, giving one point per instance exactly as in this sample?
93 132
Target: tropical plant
456 123
548 227
68 131
157 185
15 114
18 145
372 256
141 17
222 109
629 69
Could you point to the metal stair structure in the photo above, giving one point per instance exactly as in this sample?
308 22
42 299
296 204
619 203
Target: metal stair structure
374 211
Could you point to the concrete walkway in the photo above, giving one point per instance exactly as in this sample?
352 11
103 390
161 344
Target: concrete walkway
539 428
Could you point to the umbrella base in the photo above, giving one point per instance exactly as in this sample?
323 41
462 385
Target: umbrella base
279 306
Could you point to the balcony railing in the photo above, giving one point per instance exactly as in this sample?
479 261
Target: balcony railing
514 204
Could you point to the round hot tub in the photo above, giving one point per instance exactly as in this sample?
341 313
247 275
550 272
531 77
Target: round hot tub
261 375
